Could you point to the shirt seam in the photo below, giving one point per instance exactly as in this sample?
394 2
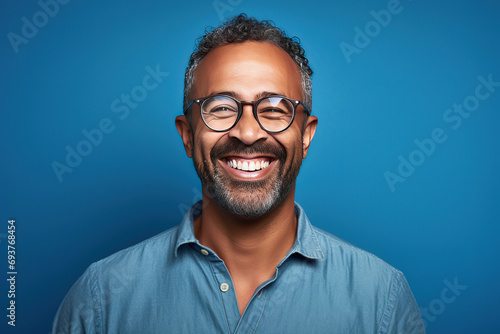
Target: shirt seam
390 306
96 301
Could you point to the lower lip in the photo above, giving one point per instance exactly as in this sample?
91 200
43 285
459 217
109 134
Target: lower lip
246 175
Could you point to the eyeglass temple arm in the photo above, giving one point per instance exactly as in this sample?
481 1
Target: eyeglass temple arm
305 107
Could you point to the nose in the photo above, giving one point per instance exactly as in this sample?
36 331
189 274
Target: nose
247 130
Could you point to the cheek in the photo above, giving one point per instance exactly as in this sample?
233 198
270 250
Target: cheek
291 139
203 144
199 150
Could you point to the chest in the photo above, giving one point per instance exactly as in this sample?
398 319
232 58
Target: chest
203 299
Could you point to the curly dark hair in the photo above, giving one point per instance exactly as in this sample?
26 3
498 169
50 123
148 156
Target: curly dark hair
239 29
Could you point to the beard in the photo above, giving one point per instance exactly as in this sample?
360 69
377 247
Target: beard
248 198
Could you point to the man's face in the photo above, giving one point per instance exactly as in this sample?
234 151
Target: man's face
247 170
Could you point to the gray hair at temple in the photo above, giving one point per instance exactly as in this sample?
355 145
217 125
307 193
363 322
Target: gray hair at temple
238 30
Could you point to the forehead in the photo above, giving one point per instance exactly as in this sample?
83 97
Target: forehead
248 69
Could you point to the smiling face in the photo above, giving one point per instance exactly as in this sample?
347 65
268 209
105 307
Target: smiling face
246 170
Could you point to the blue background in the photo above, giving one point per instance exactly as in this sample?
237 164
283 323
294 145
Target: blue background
440 224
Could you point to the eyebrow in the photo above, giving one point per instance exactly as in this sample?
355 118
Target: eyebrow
238 96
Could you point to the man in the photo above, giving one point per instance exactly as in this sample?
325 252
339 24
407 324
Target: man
245 259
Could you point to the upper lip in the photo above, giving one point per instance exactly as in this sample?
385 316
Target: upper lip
249 156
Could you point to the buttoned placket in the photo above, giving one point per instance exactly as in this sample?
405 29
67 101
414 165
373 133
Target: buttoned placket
247 322
222 282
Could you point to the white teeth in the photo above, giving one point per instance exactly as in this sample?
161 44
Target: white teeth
247 166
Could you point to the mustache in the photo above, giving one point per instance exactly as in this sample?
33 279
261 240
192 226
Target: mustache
235 146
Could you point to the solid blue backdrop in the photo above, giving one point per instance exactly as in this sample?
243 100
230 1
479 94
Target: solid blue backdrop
404 163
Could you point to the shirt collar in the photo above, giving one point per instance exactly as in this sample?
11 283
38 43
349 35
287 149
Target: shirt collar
306 243
186 229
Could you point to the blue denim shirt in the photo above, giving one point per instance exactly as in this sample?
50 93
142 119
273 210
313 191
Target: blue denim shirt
171 283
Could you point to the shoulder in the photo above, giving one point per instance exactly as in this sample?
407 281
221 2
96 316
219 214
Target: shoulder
370 281
353 261
111 280
157 249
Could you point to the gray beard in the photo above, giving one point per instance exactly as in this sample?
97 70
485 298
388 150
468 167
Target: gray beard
248 198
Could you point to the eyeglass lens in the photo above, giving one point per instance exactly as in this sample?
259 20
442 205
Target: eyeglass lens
221 112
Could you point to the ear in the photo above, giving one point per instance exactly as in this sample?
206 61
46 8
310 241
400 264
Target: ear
184 129
309 130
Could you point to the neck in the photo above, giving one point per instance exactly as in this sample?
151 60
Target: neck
248 246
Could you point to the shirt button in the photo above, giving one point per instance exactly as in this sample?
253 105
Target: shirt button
224 287
204 252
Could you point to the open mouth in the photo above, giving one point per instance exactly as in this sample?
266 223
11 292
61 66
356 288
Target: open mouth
248 165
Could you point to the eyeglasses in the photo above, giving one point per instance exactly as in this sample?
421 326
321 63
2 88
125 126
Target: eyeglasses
274 113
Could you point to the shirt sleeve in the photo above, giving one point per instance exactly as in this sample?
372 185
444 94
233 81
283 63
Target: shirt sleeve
78 312
402 314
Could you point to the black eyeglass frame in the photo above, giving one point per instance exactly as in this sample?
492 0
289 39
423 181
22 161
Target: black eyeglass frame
254 104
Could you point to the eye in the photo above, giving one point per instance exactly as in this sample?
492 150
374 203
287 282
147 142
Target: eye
275 108
273 113
221 111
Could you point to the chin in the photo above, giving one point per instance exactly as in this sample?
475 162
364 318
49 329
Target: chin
249 198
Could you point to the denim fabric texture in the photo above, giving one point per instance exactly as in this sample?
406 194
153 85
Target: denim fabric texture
171 283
